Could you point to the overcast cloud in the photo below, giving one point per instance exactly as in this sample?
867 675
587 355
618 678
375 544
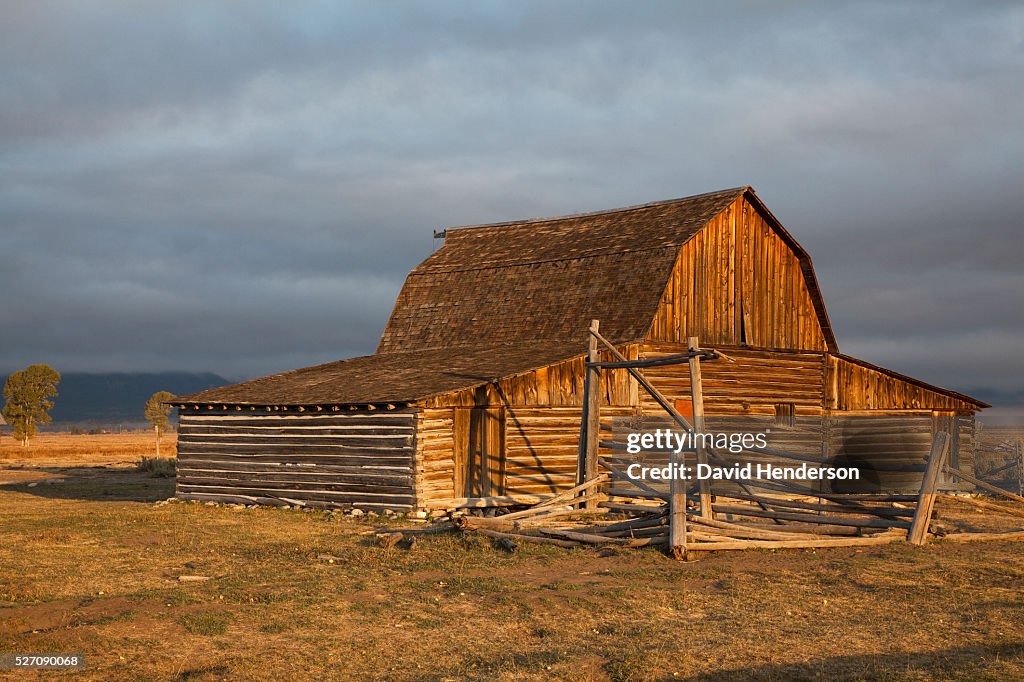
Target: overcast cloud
242 187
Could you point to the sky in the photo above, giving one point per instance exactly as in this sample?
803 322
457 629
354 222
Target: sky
242 187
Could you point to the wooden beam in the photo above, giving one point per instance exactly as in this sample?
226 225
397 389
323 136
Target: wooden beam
982 484
697 396
592 424
677 514
642 380
810 543
926 497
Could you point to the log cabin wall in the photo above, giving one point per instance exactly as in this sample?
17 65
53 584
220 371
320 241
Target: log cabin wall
326 459
756 391
542 410
872 404
738 283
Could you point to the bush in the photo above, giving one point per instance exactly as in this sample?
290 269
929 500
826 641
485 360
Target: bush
160 467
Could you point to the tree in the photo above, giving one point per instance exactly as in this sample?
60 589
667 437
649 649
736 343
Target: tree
27 401
157 412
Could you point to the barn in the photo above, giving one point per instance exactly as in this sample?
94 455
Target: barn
474 394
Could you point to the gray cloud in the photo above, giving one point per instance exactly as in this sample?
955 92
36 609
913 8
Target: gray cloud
242 188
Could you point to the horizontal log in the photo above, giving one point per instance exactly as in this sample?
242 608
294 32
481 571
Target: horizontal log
642 494
241 419
360 458
280 502
809 518
244 464
818 507
735 530
982 504
227 431
354 497
1007 536
484 502
810 543
527 538
311 486
634 508
594 539
286 443
981 484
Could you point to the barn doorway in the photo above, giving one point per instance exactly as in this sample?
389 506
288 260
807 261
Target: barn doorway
479 451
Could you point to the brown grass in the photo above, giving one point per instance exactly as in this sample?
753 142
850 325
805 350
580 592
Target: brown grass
91 447
90 565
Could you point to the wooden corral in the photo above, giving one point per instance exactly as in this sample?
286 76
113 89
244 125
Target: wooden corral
475 393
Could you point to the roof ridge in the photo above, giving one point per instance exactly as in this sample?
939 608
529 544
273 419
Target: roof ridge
622 209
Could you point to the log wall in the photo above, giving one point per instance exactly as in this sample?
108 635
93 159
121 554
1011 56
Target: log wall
331 459
752 385
557 385
542 427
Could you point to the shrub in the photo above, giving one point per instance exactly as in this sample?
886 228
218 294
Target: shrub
159 467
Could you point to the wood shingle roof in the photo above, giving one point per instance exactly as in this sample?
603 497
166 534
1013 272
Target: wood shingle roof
547 278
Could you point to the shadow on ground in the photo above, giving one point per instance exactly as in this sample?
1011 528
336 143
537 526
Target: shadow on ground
957 663
95 483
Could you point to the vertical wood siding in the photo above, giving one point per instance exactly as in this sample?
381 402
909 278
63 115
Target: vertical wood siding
736 282
854 387
361 459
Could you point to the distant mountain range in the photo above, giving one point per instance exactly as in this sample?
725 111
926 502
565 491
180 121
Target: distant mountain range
113 399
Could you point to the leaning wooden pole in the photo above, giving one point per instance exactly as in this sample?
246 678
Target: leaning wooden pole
926 498
697 396
995 490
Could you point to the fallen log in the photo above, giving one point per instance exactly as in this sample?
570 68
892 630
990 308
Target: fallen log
592 539
634 508
484 502
820 507
643 494
522 537
981 484
388 540
544 518
814 543
810 518
739 531
1012 535
982 504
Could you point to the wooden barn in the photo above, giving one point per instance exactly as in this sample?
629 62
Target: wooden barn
476 388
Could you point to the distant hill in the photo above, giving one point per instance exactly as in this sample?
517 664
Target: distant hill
112 399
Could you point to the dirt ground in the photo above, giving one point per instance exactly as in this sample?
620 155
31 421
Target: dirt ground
91 565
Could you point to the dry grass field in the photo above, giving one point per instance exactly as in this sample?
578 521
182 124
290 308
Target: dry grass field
90 565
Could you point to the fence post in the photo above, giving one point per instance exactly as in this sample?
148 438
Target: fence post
926 497
590 426
677 512
697 397
1020 469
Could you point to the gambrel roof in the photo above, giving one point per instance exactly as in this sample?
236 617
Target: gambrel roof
545 279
